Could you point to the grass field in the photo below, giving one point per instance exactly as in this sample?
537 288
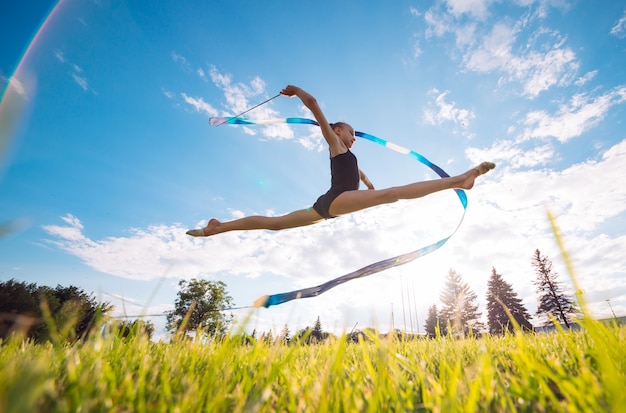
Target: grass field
582 371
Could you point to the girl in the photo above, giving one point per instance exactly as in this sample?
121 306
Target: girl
344 196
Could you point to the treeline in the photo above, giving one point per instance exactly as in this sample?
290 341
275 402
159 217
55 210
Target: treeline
202 309
42 313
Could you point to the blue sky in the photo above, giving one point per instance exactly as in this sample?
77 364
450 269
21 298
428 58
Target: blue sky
112 157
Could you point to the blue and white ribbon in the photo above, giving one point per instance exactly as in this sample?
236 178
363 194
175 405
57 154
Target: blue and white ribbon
275 299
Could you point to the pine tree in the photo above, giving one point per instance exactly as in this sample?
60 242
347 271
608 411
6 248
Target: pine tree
317 334
500 295
284 335
552 299
432 320
459 307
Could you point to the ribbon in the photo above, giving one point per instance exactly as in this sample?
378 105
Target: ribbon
276 299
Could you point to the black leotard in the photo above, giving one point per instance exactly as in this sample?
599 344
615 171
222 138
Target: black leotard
344 172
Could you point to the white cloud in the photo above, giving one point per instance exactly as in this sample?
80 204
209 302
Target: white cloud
580 114
446 111
241 97
538 63
76 70
571 120
237 95
167 93
417 50
438 24
512 154
495 51
78 77
619 30
178 58
475 8
59 55
200 105
586 78
258 85
72 232
465 35
81 81
537 70
584 196
542 7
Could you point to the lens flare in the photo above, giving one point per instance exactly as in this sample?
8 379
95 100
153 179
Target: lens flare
20 90
14 103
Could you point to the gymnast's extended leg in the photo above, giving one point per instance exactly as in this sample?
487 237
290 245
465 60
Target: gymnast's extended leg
294 219
352 201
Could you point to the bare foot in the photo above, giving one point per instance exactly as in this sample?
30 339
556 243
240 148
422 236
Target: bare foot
485 167
209 230
470 176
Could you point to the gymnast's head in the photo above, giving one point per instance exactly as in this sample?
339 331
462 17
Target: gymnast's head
345 133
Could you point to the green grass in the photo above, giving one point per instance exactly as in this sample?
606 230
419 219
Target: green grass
563 371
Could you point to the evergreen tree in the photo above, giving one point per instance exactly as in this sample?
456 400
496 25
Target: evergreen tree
500 295
432 320
459 307
552 299
317 334
284 335
312 335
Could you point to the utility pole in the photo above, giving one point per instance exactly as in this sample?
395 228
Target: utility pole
393 327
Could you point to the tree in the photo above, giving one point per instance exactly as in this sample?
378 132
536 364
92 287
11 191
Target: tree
432 321
76 307
552 299
312 335
19 308
284 335
459 308
126 329
204 302
500 296
356 335
317 334
71 311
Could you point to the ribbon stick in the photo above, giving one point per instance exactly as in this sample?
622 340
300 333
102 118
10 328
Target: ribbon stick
276 299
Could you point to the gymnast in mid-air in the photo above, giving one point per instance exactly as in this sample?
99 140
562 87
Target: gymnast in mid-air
344 196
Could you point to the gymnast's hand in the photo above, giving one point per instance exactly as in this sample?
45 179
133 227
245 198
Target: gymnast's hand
290 91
